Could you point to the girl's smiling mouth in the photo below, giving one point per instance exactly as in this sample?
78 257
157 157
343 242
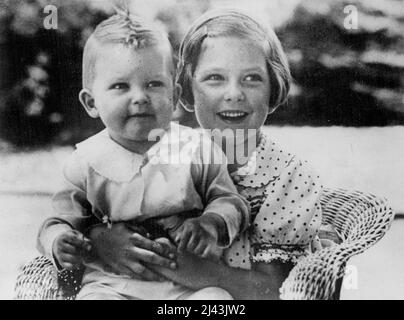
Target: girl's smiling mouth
233 116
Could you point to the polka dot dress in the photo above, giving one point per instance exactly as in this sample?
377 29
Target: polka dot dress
283 193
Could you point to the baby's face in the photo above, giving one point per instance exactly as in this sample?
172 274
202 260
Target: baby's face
133 91
231 86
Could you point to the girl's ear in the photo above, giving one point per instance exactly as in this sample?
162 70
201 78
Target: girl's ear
87 100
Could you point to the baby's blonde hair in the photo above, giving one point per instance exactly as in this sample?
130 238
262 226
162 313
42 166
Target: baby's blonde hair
125 29
233 23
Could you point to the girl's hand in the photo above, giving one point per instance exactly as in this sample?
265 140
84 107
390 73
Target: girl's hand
194 272
127 252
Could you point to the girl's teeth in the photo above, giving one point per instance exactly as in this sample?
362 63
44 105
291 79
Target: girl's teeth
232 114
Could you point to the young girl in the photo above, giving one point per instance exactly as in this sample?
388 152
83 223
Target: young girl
234 73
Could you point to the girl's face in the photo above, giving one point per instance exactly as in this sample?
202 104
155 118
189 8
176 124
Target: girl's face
231 85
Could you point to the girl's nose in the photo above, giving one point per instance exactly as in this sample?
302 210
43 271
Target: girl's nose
234 93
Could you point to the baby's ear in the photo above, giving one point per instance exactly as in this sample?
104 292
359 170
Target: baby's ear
177 99
188 107
176 95
271 109
87 100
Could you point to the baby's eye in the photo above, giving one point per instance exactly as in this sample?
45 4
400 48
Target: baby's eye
155 84
253 77
119 86
214 77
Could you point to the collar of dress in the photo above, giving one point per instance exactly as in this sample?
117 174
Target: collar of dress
264 166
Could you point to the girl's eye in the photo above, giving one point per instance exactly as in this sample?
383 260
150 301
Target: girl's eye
155 84
119 86
253 77
214 77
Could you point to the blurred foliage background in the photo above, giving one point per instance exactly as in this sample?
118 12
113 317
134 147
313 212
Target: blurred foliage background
342 76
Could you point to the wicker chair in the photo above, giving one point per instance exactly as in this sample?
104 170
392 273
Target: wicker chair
360 220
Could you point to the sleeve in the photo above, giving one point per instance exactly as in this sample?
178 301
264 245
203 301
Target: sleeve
290 216
72 210
220 196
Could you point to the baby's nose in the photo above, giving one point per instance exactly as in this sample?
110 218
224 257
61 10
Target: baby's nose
139 97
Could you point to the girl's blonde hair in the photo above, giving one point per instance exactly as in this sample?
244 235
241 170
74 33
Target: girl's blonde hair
233 23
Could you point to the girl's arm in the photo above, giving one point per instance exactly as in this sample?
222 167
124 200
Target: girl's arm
126 251
135 252
261 283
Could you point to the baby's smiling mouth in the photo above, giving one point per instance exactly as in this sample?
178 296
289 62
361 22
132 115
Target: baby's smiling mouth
232 116
141 115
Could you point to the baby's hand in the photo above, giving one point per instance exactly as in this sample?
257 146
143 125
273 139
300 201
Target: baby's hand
70 248
198 236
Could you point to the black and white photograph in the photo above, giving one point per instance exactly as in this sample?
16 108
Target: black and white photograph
260 143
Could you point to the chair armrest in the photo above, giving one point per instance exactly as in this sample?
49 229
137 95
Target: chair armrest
316 276
361 220
39 280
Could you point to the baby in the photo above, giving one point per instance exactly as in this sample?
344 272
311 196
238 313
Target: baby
122 174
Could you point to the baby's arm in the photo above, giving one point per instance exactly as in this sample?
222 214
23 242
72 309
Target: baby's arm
219 194
58 234
70 248
201 235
